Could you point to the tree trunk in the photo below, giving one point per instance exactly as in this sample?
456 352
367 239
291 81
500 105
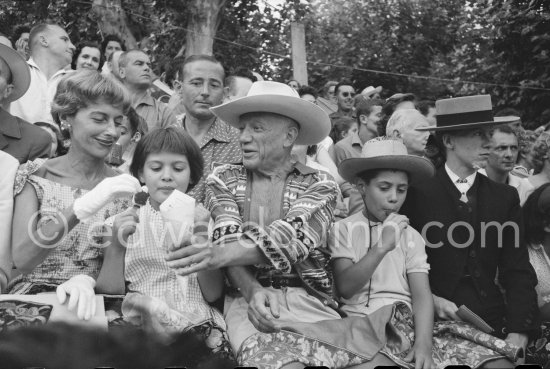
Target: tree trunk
203 23
112 21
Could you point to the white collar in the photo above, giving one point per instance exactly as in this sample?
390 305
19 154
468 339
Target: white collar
454 177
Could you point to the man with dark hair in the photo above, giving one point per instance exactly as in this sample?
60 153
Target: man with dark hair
427 109
202 88
344 97
502 159
393 103
308 93
20 39
238 83
136 74
473 228
51 52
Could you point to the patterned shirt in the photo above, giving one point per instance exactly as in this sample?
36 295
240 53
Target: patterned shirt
292 244
220 145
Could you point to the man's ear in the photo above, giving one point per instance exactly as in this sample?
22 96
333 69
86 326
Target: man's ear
363 119
7 91
43 40
121 72
448 141
292 132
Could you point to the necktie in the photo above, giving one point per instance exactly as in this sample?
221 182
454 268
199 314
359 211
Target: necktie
463 184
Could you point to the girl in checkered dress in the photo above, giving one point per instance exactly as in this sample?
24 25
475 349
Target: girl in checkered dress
165 160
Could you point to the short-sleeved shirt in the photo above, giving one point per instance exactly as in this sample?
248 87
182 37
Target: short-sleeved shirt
348 147
349 239
155 113
220 145
35 105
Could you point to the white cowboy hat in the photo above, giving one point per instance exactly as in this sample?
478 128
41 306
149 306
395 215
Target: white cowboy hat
275 97
386 153
21 74
467 112
371 90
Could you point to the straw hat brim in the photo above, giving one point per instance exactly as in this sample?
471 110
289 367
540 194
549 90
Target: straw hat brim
456 127
417 167
314 122
20 72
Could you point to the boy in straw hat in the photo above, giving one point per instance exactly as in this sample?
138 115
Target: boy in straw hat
271 216
473 227
381 272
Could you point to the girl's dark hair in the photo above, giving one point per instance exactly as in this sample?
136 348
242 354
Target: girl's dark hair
137 123
170 139
536 216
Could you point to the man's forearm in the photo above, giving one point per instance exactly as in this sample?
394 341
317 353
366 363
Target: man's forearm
241 252
242 278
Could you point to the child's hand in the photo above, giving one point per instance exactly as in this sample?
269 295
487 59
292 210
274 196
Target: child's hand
391 231
125 224
421 354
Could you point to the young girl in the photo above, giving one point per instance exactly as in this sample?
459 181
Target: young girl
381 270
165 160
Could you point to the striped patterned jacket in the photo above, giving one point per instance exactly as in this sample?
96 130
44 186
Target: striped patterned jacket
294 244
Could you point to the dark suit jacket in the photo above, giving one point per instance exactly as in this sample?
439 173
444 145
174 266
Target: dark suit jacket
21 139
465 273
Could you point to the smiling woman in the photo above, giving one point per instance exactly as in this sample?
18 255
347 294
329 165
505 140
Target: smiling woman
87 56
58 201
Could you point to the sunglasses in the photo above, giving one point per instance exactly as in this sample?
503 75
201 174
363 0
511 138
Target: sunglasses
348 94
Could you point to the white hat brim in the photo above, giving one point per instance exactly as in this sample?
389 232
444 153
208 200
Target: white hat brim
417 167
314 122
21 74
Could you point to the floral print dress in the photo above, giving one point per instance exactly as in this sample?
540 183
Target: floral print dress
80 251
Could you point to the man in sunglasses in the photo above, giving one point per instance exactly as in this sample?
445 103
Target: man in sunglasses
344 98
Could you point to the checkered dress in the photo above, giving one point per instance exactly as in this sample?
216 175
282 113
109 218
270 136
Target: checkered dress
147 272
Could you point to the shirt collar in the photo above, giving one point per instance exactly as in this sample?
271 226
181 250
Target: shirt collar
303 169
146 99
33 64
219 131
454 178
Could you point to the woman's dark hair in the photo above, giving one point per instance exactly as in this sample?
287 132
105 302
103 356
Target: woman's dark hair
137 122
170 139
79 49
369 175
307 90
536 214
110 38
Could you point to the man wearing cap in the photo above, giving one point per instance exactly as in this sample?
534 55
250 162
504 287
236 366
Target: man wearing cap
18 138
473 227
271 216
51 52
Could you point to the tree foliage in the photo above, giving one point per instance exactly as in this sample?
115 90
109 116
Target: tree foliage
503 42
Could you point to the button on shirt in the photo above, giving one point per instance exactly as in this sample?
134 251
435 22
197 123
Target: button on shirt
35 105
462 184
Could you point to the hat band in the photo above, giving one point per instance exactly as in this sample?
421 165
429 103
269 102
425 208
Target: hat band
464 118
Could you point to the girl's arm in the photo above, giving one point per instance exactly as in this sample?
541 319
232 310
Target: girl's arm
423 312
111 276
35 241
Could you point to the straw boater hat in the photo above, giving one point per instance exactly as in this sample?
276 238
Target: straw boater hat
466 113
386 153
275 97
20 72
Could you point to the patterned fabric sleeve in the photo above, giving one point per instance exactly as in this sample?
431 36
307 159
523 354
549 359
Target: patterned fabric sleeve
24 172
220 200
288 241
